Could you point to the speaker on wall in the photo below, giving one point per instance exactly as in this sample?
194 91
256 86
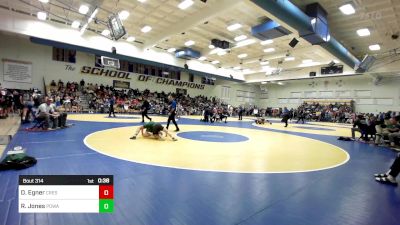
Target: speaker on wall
293 42
313 74
186 66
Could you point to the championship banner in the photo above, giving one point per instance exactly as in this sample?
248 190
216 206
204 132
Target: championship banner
121 84
17 71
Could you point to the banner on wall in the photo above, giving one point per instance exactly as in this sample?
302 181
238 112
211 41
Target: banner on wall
104 72
17 71
121 84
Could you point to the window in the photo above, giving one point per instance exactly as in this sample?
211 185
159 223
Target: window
225 92
64 55
191 77
209 81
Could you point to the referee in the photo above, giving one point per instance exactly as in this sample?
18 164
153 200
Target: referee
172 112
145 107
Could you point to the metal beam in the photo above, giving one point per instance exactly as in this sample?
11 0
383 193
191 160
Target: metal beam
199 17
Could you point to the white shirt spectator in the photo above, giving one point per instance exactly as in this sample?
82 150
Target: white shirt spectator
44 109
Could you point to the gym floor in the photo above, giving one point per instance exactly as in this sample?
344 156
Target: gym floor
221 173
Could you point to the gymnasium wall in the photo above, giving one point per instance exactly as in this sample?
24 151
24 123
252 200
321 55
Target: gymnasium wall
18 47
368 96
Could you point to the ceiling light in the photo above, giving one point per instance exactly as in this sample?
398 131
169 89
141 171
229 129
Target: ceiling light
234 26
290 58
245 43
264 82
123 15
44 1
347 9
264 63
241 56
336 61
131 39
215 50
141 1
240 38
42 15
215 62
313 21
220 53
189 43
375 47
75 24
363 32
83 9
269 50
266 42
236 68
265 68
211 46
202 58
171 50
146 29
185 4
307 61
105 32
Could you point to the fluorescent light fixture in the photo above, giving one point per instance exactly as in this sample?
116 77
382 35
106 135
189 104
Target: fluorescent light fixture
247 71
141 1
281 83
264 82
264 68
375 47
240 38
245 43
221 53
83 9
347 9
266 42
171 50
241 56
215 62
264 63
236 68
123 15
185 4
189 43
269 50
202 58
211 46
131 39
290 58
234 26
363 32
146 29
75 24
44 1
305 61
336 61
105 32
42 15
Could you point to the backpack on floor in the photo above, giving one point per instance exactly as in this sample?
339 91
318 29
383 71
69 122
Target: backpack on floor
17 162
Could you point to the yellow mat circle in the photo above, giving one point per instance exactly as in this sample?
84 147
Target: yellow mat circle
264 152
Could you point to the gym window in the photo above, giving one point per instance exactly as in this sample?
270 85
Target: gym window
64 55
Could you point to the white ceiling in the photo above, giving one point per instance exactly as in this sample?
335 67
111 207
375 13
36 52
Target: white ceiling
381 17
172 27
